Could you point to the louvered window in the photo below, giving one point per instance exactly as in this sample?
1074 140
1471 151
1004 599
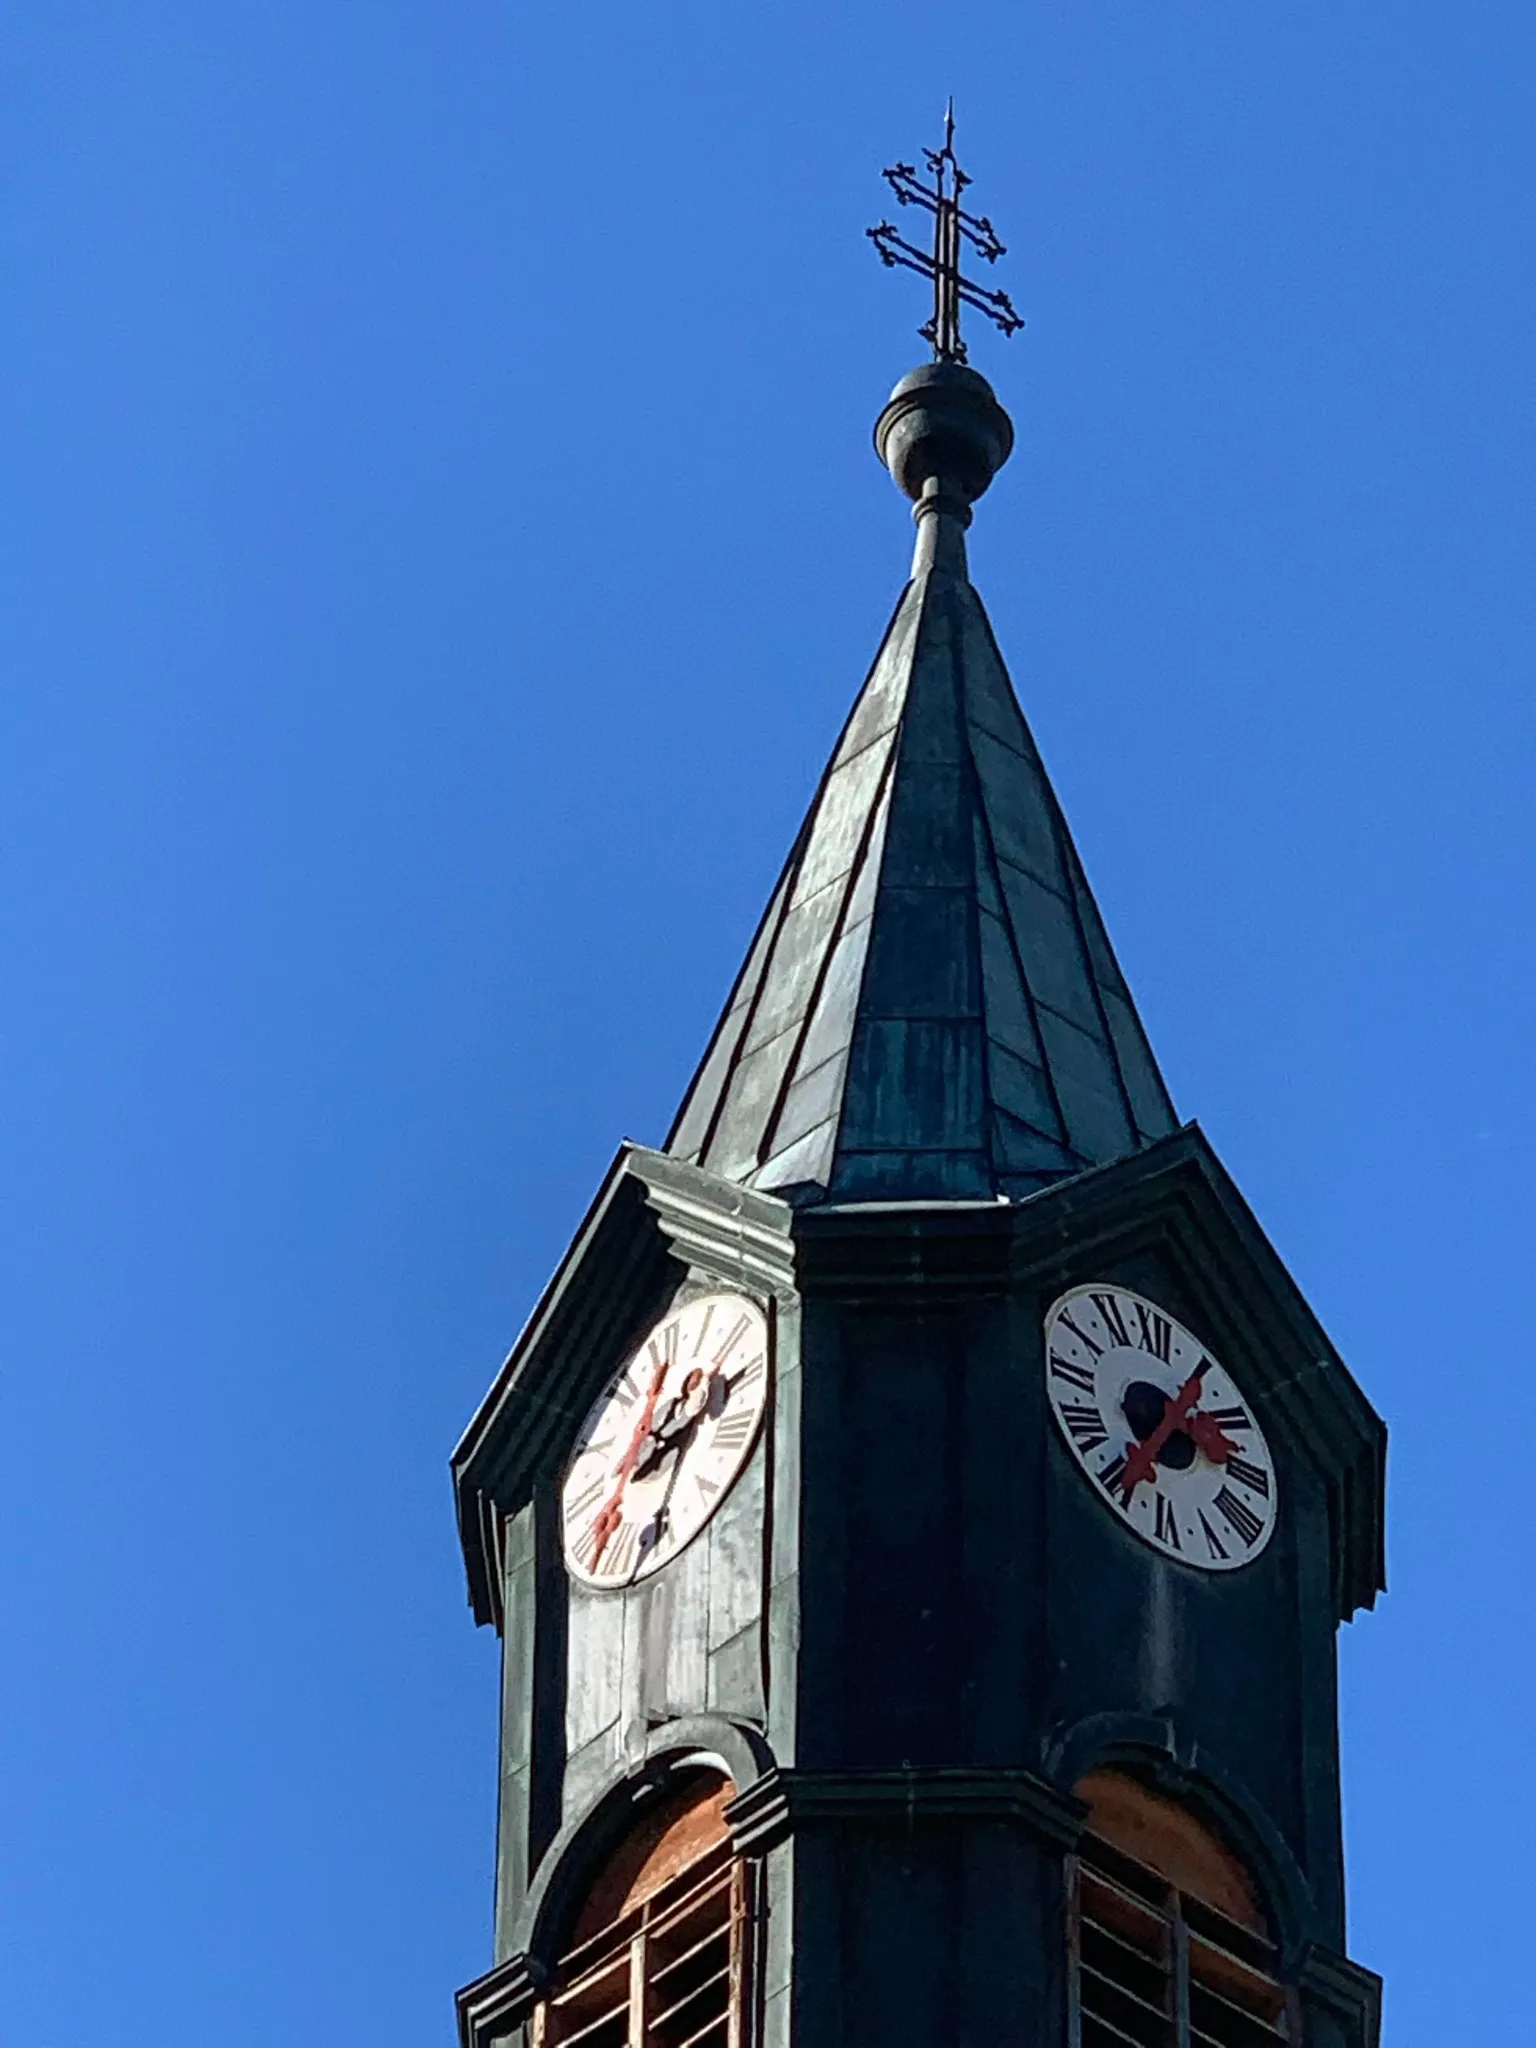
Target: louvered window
1155 1969
669 1974
669 1969
1154 1965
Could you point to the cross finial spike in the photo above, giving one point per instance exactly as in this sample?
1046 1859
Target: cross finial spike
952 226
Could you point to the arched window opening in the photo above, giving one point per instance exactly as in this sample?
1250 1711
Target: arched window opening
1169 1944
658 1952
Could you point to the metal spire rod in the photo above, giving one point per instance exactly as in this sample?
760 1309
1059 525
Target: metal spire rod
952 226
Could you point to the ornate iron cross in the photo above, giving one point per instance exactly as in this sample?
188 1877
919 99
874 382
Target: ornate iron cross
952 225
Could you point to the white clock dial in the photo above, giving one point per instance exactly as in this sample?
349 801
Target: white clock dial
1159 1428
665 1439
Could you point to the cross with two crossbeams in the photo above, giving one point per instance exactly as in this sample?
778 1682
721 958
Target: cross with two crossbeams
952 226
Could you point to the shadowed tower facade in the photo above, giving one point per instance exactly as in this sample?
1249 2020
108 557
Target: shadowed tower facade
919 1512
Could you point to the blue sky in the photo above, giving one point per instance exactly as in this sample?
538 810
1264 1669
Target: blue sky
441 541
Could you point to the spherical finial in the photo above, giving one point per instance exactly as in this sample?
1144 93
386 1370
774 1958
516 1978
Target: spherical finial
943 422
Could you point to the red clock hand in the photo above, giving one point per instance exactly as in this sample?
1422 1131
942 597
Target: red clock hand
1142 1459
610 1514
1211 1438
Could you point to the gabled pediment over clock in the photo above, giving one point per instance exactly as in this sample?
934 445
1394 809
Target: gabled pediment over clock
655 1226
1168 1224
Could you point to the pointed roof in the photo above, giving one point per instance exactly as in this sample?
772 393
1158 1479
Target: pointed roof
931 1008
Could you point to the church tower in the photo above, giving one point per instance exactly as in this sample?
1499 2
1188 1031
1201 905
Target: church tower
919 1511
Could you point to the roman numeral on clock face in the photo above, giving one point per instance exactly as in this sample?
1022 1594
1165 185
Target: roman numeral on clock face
738 1331
1231 1418
663 1346
588 1497
1167 1523
1079 1376
1081 1334
1254 1477
1154 1332
1086 1425
619 1555
1238 1515
1111 1318
1109 1478
732 1431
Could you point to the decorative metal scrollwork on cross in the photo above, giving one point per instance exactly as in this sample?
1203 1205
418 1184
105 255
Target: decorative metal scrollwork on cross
952 225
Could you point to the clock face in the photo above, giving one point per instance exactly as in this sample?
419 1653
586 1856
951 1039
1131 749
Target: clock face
665 1439
1159 1428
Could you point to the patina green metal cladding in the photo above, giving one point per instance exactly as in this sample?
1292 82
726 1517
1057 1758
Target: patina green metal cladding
931 1007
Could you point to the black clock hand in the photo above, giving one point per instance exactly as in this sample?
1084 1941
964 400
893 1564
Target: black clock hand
663 1440
655 1529
667 1439
663 1443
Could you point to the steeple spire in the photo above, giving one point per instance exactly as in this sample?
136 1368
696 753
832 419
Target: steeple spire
930 1009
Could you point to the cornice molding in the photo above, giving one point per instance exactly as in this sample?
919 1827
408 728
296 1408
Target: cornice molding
1347 1990
784 1801
498 2003
732 1233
